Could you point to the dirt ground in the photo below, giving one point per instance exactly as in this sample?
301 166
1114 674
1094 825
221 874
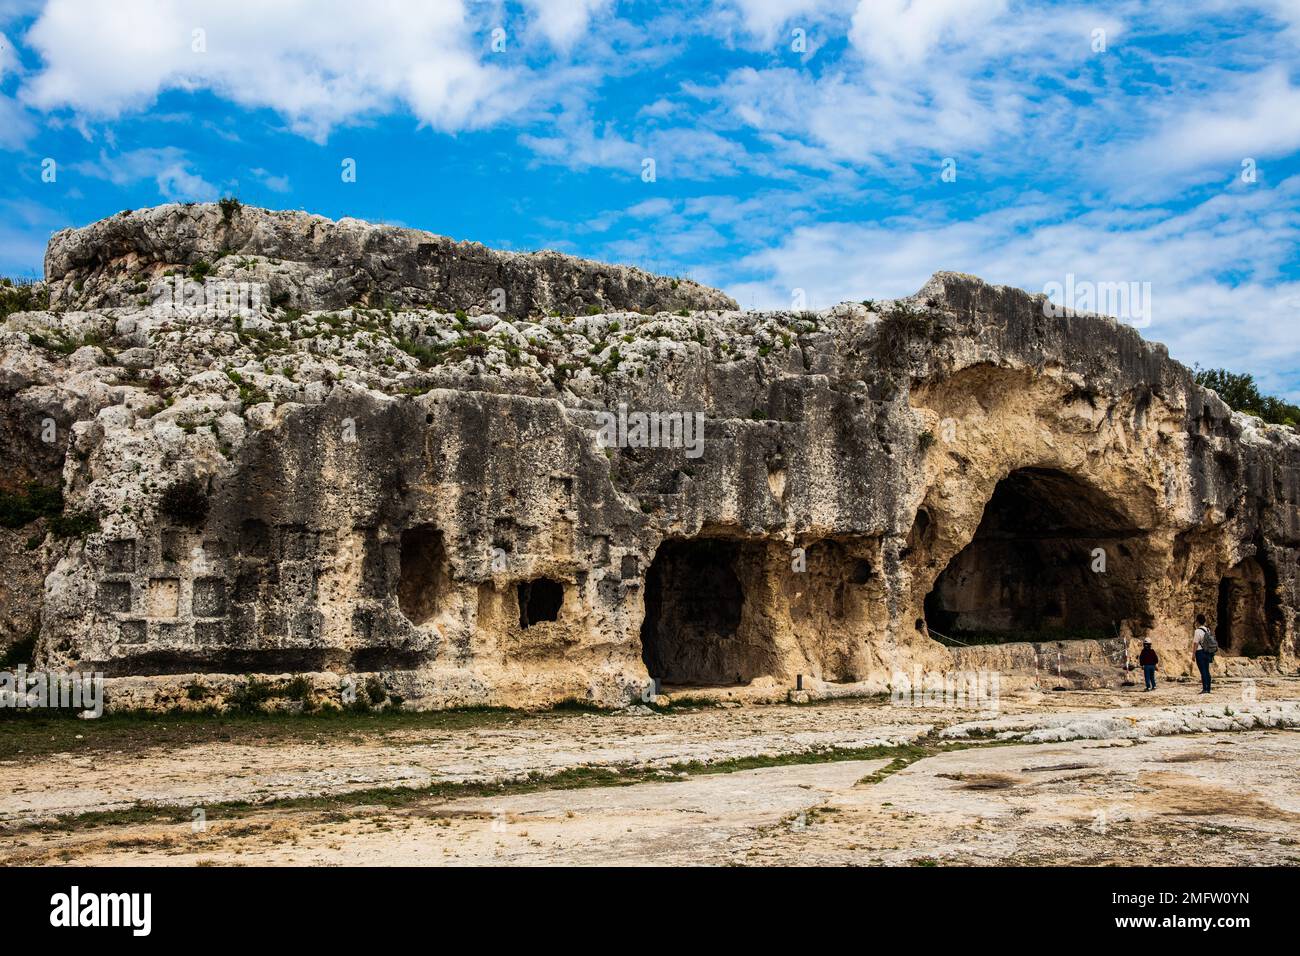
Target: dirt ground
1160 778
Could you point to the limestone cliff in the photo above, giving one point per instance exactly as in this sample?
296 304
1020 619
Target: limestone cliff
333 458
310 262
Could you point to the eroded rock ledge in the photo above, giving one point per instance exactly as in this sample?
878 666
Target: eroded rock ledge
306 261
338 482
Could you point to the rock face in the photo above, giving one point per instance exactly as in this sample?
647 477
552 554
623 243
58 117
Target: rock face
492 509
310 262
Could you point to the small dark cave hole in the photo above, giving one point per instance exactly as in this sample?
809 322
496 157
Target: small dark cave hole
540 600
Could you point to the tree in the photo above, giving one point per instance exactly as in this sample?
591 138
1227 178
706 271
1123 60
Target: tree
1241 393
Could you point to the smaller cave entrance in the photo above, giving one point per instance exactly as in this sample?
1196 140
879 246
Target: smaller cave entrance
1030 571
1242 625
540 600
697 629
425 573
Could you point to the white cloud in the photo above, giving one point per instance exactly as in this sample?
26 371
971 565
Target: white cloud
925 79
277 184
581 144
678 152
9 62
318 63
902 33
563 21
1219 294
167 166
1257 117
763 19
15 126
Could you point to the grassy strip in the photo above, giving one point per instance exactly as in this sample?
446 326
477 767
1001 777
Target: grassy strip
28 734
25 734
909 756
900 756
574 778
930 746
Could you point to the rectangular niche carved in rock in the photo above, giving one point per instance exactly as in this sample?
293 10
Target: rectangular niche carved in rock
425 573
120 555
209 597
163 597
115 596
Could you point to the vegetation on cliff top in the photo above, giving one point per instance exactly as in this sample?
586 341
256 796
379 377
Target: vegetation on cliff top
1241 394
18 295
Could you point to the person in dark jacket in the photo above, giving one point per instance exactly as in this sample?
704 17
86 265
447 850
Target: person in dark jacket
1149 659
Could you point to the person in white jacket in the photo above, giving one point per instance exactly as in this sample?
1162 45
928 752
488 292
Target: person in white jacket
1205 646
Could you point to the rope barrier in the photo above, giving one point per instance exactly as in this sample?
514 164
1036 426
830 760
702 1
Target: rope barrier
945 637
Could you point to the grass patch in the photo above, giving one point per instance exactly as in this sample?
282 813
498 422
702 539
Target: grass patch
907 756
28 733
573 778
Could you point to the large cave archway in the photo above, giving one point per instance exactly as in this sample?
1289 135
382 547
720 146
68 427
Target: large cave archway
1032 571
698 629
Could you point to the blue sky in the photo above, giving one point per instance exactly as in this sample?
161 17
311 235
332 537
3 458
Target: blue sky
797 144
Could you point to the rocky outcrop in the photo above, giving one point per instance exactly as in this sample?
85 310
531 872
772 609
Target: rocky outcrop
488 509
309 262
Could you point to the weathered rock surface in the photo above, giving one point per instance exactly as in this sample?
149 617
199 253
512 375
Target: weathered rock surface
430 496
1134 723
309 262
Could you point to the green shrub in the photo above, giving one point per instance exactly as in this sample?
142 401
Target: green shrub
74 524
299 688
21 296
375 691
35 501
249 698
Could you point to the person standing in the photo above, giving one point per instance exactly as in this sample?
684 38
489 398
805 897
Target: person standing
1206 647
1148 659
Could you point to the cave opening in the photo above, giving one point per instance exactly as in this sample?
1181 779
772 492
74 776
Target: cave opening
540 600
425 572
696 630
1051 559
1242 624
